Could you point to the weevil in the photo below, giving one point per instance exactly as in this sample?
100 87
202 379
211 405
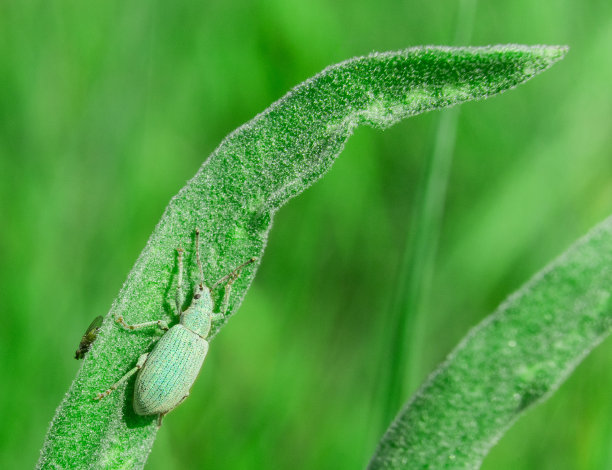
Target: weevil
166 374
91 333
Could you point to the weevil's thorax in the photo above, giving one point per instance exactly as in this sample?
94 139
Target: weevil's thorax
197 317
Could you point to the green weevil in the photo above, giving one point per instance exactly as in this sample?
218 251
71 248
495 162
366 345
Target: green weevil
89 337
166 374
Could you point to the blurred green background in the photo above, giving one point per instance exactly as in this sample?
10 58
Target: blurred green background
107 108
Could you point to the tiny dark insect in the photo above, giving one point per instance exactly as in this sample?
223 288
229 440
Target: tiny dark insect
89 337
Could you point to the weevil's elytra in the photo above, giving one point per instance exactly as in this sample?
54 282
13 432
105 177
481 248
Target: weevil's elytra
166 374
186 352
91 333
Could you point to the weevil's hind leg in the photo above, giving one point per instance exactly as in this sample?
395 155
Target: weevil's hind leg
141 360
161 415
138 326
180 298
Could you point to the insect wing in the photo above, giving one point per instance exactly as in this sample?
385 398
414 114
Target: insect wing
89 337
94 325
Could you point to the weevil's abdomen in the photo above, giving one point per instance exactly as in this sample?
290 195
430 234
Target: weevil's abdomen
169 372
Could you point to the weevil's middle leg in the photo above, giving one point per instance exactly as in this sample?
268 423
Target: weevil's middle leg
141 360
163 325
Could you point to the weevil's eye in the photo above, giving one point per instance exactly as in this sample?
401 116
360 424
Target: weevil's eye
197 296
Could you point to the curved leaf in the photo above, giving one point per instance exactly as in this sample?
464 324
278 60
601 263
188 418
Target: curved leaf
515 358
232 200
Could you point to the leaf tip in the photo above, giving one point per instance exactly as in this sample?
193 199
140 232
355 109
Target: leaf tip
554 53
539 58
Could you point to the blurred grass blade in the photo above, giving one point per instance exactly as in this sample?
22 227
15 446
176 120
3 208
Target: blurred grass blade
412 289
515 358
233 198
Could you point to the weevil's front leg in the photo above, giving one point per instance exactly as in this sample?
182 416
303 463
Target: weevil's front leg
225 302
231 277
229 280
162 324
141 360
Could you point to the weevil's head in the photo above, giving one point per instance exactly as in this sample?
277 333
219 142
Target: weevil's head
197 316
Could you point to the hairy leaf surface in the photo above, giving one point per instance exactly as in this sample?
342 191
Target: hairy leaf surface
515 358
233 198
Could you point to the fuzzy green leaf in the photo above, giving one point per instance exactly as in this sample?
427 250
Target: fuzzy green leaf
233 198
515 358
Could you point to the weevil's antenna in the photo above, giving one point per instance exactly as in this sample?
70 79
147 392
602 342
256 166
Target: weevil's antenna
234 274
197 243
179 300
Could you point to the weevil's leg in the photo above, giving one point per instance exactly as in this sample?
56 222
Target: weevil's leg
225 303
141 360
231 277
159 419
160 323
229 280
180 299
